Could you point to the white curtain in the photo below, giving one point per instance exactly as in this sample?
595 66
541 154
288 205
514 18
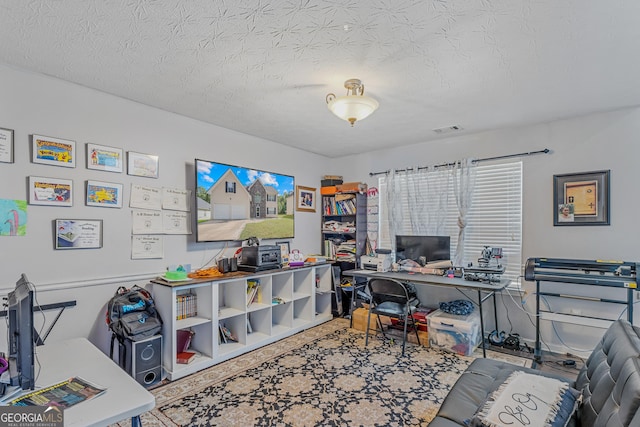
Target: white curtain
463 175
437 190
394 204
418 199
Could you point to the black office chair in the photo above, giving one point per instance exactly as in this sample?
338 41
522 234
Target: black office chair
392 298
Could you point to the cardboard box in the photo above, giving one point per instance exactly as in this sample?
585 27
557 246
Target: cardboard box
424 338
359 320
351 187
359 317
411 336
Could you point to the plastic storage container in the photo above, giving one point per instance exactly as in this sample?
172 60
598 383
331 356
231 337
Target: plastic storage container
455 333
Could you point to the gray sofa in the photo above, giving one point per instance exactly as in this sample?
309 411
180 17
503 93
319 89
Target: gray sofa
609 384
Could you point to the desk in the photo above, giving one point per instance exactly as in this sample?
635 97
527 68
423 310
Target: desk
489 289
124 397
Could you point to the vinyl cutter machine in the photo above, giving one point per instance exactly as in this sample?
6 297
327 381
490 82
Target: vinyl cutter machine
616 274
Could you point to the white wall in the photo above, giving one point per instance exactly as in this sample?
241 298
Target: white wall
38 104
595 142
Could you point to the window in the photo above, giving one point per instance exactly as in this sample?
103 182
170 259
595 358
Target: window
494 220
230 187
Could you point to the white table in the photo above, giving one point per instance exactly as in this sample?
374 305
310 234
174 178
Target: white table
488 288
124 397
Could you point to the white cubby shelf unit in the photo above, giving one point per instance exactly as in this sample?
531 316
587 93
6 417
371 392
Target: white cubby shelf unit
287 302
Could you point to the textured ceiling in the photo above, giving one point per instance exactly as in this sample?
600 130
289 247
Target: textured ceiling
264 67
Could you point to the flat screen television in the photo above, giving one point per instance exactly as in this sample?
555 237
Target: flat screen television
423 249
235 203
21 336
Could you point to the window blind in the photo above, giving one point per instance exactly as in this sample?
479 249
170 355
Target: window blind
494 220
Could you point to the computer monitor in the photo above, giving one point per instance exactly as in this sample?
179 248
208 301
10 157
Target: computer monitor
21 337
423 249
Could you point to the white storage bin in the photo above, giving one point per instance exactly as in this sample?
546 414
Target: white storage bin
455 333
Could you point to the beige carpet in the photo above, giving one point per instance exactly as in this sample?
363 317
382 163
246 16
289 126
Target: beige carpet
321 377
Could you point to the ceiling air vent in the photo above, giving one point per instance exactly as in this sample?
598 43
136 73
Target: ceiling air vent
447 129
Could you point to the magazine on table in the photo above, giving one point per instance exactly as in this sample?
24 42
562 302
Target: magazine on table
63 394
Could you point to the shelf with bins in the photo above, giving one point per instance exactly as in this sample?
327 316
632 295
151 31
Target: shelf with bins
232 303
323 293
258 326
201 344
170 303
258 293
303 285
282 302
290 301
258 309
303 282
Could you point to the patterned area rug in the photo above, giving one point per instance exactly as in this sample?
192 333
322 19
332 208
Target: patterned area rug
321 377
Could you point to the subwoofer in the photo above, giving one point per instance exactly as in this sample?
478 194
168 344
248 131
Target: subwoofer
143 360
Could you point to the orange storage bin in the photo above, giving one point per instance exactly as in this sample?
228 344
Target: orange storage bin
328 191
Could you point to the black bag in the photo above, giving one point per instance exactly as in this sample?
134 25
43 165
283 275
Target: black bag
132 315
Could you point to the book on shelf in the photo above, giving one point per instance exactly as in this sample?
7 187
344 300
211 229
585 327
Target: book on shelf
222 339
227 335
185 357
330 249
254 293
186 306
336 206
183 339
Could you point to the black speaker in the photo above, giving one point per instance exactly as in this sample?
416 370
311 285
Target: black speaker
143 360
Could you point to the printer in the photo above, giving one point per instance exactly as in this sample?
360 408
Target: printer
378 262
259 258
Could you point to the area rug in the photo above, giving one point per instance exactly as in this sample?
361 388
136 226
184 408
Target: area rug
321 377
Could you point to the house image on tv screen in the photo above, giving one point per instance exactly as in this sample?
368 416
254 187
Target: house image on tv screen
264 200
229 199
235 203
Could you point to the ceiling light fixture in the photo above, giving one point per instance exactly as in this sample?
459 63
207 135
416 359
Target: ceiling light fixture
354 105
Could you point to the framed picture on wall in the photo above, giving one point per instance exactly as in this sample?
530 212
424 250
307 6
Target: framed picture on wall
50 191
581 198
53 151
103 158
78 233
6 145
305 199
140 164
104 194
